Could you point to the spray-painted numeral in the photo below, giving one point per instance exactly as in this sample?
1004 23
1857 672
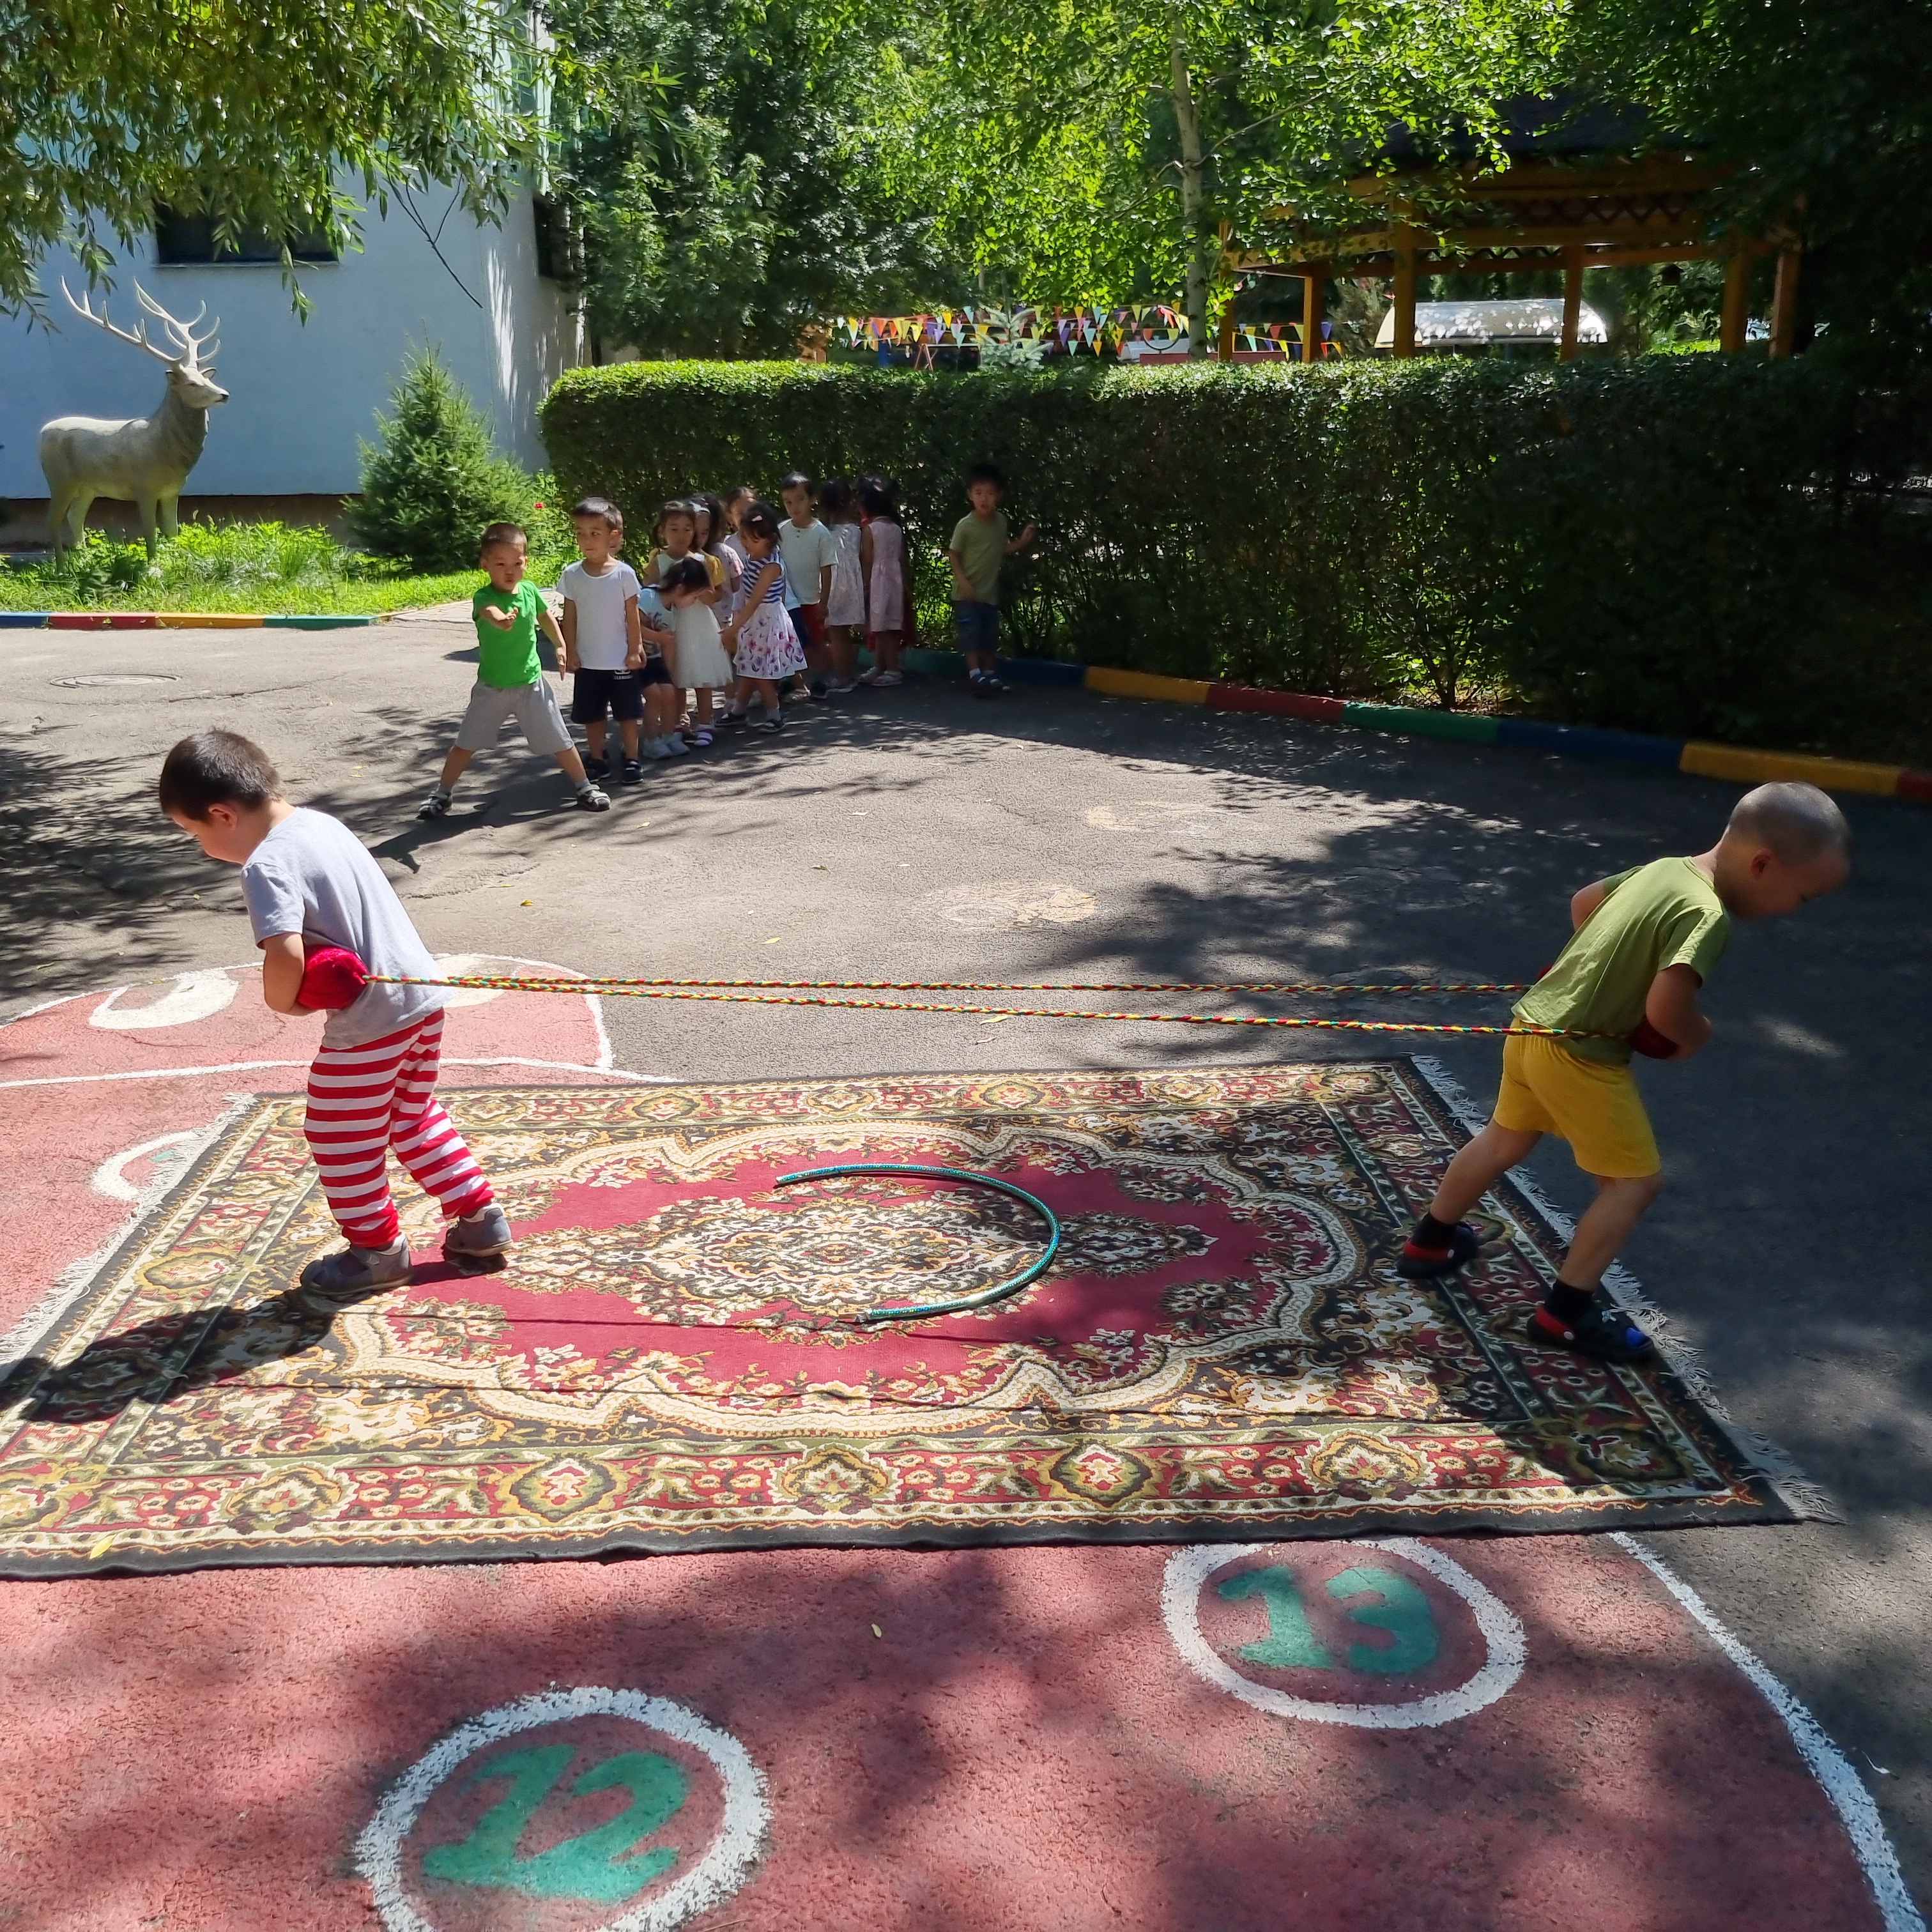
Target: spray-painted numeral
1290 1644
1402 1609
592 1865
1403 1612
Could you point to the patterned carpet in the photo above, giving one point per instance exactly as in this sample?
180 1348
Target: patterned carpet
1221 1350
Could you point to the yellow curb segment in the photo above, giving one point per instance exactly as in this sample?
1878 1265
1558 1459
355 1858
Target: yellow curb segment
1748 767
208 620
1144 684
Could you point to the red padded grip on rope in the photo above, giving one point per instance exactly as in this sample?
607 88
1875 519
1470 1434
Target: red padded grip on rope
1647 1040
332 978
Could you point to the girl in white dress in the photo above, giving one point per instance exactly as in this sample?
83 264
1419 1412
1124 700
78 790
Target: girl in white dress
883 553
764 646
702 664
845 607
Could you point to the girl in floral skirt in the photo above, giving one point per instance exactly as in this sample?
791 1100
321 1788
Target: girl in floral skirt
764 646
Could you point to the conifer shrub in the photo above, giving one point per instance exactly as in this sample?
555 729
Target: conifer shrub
433 479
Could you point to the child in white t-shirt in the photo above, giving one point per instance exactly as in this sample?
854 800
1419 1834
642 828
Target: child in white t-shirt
311 887
603 640
808 551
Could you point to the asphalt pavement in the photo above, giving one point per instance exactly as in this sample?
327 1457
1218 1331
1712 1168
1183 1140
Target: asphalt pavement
1052 834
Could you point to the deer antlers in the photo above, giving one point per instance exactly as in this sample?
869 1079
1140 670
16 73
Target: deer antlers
189 349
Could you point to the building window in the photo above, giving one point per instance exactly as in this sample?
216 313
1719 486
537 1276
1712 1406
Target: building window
185 241
559 242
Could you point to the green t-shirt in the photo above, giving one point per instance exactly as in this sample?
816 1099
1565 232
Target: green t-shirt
980 544
507 658
1665 914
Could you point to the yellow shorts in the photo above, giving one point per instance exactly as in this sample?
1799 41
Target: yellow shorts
1548 1090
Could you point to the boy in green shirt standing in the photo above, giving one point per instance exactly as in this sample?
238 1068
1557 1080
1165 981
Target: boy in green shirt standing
510 681
980 546
1642 943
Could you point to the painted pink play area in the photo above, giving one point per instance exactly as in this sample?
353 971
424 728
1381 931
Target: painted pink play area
1479 1733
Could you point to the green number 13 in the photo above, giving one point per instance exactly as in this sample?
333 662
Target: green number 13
1400 1609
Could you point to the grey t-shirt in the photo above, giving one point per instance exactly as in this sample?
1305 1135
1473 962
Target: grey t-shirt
313 875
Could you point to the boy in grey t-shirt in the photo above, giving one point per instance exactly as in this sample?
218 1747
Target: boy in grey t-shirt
310 883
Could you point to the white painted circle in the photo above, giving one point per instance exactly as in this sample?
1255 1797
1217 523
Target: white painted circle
722 1870
109 1179
191 996
473 966
1501 1630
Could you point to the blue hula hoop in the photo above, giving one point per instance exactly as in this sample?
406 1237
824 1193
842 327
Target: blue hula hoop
984 1297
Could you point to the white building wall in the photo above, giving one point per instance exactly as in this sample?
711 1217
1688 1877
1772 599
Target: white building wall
301 393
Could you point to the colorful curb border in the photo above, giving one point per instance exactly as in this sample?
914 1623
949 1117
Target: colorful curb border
185 620
1739 763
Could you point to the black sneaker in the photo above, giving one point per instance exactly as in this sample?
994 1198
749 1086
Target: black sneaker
633 771
818 687
982 685
595 768
774 722
1415 1264
1607 1334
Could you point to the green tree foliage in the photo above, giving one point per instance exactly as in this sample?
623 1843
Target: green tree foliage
251 111
435 480
1094 151
1823 107
729 158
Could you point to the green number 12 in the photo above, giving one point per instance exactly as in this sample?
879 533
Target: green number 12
591 1865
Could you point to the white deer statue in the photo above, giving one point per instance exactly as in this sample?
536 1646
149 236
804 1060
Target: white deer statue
140 459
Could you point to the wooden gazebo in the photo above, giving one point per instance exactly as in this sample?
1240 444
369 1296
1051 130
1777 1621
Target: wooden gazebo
1592 211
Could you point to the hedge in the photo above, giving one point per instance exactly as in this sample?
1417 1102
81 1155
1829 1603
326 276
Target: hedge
1709 546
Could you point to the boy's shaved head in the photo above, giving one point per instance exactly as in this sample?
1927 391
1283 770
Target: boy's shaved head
1796 821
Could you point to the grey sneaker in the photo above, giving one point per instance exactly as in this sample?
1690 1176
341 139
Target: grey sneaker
479 1239
352 1272
593 798
436 805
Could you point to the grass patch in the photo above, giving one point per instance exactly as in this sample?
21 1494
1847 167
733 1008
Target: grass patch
265 567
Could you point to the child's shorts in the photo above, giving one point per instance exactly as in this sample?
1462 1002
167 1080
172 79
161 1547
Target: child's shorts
976 628
653 673
533 706
1547 1089
596 694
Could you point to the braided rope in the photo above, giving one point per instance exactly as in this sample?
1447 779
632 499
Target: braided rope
643 991
594 983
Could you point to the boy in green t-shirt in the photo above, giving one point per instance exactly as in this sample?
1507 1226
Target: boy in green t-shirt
510 682
1643 942
980 546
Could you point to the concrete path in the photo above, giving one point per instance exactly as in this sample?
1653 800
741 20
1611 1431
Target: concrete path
1048 836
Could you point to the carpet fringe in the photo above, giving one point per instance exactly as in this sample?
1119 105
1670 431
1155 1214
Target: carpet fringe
1806 1499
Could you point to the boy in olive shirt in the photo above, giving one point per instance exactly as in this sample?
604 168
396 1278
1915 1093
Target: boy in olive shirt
510 681
1642 944
980 546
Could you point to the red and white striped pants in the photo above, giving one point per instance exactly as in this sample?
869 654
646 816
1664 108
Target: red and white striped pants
363 1101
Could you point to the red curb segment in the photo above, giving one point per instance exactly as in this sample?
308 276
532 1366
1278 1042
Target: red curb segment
1915 785
103 620
1281 703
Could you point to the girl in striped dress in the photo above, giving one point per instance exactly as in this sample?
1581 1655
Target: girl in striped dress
764 646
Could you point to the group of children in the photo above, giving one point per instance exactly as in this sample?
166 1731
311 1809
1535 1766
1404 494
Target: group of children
738 602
